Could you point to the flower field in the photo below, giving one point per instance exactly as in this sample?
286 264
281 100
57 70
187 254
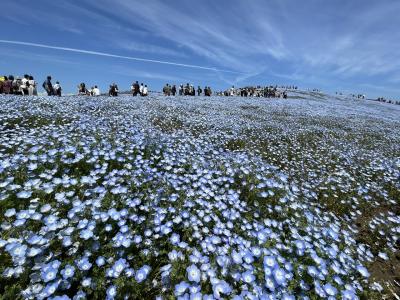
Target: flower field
199 198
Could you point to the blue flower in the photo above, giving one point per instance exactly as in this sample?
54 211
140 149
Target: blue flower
86 234
111 292
237 257
270 284
248 277
363 271
119 266
181 288
312 271
175 239
68 272
193 273
84 264
86 282
270 261
349 295
196 296
279 276
142 273
48 274
221 288
330 289
24 194
100 261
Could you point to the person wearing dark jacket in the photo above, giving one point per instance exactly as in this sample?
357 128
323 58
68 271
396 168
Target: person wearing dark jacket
199 91
7 84
135 88
47 85
173 90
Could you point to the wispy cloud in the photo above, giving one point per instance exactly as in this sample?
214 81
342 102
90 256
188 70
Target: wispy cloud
230 35
88 52
147 48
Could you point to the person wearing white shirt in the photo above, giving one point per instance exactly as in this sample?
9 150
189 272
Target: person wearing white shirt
141 89
23 88
145 91
96 91
32 91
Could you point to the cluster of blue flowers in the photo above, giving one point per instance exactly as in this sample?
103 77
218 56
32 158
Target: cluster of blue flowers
174 198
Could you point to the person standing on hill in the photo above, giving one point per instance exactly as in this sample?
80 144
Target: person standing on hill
16 86
96 91
24 85
48 86
2 79
135 89
82 90
145 91
57 89
6 85
199 91
32 90
173 90
232 91
141 89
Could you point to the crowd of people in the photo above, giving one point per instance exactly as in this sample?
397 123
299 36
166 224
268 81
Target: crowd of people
258 91
18 86
390 101
139 90
83 91
186 90
27 86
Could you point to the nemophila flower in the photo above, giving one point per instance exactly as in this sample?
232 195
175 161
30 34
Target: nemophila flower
279 276
68 272
10 212
330 290
111 292
221 288
86 282
383 255
32 252
129 272
86 234
270 283
119 266
67 241
100 261
312 271
270 261
142 273
50 289
19 222
175 239
24 194
349 295
63 297
80 295
181 288
137 239
34 239
16 249
196 296
174 255
193 273
84 264
248 277
237 257
363 271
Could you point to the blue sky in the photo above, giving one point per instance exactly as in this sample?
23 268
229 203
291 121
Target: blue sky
338 45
